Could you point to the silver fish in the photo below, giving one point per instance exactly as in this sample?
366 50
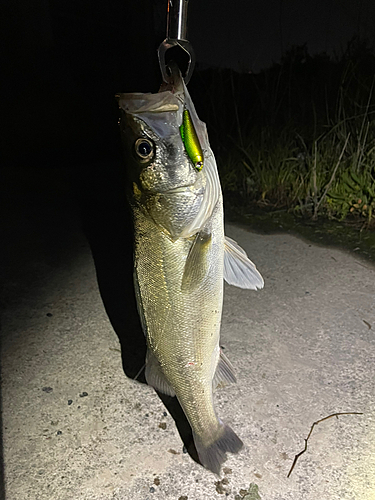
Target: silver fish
180 259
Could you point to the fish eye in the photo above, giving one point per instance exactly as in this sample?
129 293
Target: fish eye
144 148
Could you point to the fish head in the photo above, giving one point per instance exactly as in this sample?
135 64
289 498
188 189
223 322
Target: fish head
157 163
163 179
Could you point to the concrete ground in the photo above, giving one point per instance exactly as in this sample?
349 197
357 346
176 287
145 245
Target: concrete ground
75 427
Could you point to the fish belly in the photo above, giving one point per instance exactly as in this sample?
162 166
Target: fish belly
182 327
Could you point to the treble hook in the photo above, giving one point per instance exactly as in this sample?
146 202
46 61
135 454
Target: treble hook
176 37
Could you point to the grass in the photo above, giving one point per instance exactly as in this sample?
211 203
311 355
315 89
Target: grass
299 136
331 177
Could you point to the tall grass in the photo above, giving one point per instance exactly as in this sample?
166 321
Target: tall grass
300 135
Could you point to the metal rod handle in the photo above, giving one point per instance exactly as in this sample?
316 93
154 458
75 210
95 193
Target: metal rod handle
177 19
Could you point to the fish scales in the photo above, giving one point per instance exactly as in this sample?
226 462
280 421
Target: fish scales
182 330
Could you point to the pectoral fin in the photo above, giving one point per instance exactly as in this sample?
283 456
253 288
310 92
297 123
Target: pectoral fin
155 376
197 263
238 268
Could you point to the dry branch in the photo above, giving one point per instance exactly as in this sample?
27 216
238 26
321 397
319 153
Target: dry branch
312 427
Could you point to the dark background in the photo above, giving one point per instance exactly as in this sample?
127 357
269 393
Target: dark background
64 63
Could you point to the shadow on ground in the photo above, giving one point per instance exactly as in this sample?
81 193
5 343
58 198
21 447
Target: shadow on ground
41 207
107 224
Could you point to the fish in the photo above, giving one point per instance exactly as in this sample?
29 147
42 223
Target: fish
181 257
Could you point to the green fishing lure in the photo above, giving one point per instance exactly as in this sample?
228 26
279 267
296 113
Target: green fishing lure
191 141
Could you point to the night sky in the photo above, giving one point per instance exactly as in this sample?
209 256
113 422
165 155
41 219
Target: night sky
250 35
241 34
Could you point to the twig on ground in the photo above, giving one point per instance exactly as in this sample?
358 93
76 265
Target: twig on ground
312 427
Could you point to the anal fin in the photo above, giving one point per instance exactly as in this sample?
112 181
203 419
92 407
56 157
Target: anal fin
155 376
224 371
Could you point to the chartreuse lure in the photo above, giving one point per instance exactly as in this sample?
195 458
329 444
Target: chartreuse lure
191 141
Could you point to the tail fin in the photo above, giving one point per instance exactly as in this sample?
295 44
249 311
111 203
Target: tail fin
212 456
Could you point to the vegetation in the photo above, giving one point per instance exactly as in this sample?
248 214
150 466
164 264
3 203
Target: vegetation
300 135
